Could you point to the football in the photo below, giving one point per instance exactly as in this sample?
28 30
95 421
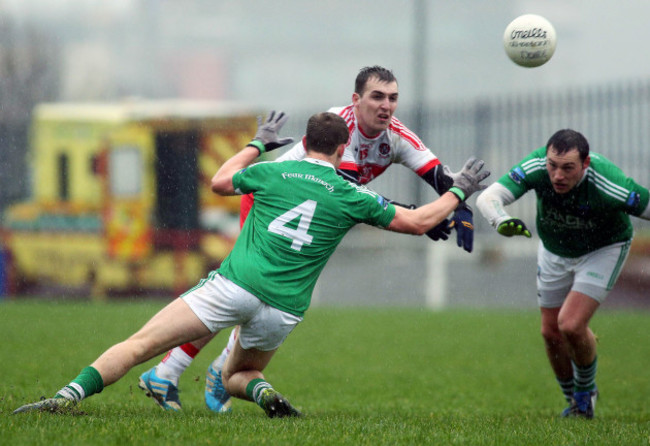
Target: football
529 40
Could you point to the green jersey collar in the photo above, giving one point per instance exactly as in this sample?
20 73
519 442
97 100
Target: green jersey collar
319 162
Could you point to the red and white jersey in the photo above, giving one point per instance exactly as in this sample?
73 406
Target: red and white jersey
370 157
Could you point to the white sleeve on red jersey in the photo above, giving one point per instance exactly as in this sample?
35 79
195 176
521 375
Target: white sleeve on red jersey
409 150
296 153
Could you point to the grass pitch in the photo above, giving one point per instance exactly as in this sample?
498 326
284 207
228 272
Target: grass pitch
360 377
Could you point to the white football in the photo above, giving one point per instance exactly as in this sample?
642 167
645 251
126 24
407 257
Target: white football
529 40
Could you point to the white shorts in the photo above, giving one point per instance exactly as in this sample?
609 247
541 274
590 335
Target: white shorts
220 303
593 274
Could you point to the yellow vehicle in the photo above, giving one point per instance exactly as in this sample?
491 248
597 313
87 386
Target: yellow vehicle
121 198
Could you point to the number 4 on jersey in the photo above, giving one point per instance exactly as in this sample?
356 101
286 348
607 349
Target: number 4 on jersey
299 235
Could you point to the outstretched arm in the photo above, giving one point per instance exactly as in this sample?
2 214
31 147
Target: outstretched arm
419 221
440 231
265 140
491 204
438 179
222 180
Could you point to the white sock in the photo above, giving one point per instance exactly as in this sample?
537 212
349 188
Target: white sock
218 363
173 365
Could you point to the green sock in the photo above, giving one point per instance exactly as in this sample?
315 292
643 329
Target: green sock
567 386
585 376
87 383
255 388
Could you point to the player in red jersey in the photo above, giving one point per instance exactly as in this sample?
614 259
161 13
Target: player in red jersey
377 140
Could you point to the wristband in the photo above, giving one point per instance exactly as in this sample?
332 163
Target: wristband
459 193
258 145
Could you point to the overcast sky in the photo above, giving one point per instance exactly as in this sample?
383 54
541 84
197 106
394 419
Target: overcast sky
289 52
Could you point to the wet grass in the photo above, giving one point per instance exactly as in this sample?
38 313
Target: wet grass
360 376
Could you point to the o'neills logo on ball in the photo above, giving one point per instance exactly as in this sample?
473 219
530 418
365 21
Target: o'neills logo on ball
533 33
529 40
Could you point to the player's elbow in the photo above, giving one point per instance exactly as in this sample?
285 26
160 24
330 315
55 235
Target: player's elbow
487 199
221 186
216 187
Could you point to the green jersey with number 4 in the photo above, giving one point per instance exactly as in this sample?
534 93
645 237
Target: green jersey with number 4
592 215
302 211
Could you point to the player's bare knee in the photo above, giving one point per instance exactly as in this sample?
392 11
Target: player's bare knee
231 386
551 335
571 328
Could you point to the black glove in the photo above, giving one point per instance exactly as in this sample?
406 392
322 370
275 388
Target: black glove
266 138
514 226
467 181
463 222
440 232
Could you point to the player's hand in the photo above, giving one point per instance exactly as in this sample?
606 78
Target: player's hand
440 232
463 221
266 138
514 226
468 180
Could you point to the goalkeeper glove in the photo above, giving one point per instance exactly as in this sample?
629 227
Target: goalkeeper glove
514 226
266 138
463 222
468 180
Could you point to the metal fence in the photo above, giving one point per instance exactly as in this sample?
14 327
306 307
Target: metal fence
409 271
378 267
614 118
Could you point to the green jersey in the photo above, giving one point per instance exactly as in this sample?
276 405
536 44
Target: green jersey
595 213
301 212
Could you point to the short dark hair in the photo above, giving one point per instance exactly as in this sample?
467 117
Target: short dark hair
381 73
567 139
325 132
